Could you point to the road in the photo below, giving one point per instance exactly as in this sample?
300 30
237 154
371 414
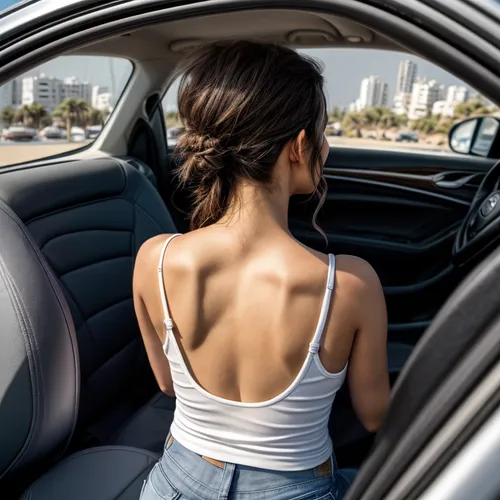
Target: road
19 152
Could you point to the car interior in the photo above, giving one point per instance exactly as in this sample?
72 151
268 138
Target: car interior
78 389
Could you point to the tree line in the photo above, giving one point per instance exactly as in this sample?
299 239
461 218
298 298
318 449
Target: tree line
382 119
74 112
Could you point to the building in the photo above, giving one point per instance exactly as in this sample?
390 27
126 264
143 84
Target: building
11 94
456 94
104 101
50 92
373 92
355 106
102 98
71 88
44 90
407 75
443 108
402 102
423 96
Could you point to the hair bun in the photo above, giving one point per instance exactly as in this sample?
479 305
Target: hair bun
198 144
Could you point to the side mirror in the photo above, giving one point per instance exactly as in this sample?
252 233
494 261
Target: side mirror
477 136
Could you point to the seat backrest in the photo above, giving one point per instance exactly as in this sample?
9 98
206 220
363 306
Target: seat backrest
39 372
89 219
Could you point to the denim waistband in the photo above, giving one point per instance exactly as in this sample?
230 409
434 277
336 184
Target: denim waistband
212 479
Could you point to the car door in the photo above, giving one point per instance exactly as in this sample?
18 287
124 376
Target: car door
395 203
399 210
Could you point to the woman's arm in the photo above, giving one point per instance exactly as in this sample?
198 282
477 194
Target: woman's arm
368 374
145 288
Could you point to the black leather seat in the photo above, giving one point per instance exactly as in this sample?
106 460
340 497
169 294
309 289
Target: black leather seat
89 219
40 386
107 472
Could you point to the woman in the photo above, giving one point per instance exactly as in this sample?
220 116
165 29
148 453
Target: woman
251 330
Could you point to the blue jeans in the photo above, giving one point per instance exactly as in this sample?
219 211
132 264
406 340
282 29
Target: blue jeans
182 474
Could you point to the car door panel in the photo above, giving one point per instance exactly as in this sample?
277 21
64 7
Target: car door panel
399 211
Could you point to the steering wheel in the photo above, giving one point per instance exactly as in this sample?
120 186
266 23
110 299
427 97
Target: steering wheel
481 226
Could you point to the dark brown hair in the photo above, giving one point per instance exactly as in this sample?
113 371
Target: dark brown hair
241 102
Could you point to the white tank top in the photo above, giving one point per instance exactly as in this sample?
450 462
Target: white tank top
286 433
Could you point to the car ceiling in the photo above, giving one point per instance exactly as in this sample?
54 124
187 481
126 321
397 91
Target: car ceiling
298 29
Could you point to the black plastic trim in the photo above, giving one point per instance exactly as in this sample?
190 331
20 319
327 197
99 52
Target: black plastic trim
466 39
471 15
421 192
403 327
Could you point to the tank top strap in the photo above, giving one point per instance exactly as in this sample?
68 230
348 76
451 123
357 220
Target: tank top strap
167 320
325 307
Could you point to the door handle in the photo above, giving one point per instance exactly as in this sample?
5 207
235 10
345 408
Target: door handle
452 180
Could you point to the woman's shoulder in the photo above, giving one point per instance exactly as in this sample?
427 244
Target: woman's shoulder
356 270
148 257
150 249
353 275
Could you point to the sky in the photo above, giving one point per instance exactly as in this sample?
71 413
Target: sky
343 70
7 3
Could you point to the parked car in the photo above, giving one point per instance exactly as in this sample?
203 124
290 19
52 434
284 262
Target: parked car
19 133
407 137
80 414
92 132
52 132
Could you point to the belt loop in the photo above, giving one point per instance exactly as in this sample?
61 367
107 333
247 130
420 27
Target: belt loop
227 479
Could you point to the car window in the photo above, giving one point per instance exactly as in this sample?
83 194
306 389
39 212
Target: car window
59 106
382 99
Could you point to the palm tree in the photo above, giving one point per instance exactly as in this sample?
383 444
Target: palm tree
36 112
72 111
8 116
95 117
83 109
23 114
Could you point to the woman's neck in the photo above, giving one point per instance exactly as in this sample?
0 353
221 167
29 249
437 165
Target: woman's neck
257 209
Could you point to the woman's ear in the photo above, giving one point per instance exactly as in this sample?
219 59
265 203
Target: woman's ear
298 149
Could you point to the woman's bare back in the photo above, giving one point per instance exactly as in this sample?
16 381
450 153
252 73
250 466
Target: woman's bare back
245 311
